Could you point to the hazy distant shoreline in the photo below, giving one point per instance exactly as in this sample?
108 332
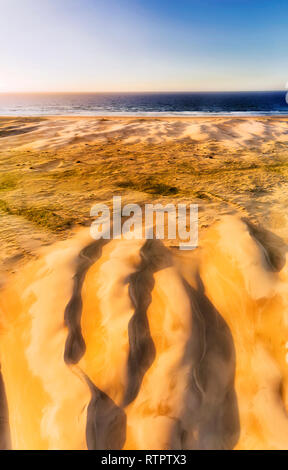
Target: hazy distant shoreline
146 116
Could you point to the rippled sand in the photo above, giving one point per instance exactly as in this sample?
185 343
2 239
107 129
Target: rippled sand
57 132
135 344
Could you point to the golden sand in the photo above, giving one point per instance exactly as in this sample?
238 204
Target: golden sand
134 344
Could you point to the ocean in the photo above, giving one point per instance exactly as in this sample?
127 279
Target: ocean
142 104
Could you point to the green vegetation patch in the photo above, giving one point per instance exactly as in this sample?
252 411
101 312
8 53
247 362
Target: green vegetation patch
8 181
41 216
149 186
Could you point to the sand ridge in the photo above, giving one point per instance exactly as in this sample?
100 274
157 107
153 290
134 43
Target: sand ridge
209 359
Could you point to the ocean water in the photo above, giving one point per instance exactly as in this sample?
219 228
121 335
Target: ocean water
153 104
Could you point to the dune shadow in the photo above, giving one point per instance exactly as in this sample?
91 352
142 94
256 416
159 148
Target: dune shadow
274 247
106 422
15 131
75 345
5 443
154 257
210 417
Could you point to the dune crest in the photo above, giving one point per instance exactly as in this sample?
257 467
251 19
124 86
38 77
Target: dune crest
134 345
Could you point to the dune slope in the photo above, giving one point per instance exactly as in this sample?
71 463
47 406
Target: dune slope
140 346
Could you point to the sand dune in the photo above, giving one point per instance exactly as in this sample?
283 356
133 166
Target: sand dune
54 169
133 345
56 132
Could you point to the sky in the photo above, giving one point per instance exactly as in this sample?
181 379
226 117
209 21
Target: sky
143 45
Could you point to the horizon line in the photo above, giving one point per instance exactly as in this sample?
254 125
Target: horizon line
139 91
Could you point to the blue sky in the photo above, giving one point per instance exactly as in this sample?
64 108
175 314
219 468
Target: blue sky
143 45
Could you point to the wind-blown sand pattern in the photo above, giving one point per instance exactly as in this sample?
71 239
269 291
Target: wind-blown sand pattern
134 344
57 132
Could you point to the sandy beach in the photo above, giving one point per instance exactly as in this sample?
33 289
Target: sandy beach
87 328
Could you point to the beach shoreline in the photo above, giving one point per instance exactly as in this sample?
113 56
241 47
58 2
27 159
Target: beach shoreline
144 116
